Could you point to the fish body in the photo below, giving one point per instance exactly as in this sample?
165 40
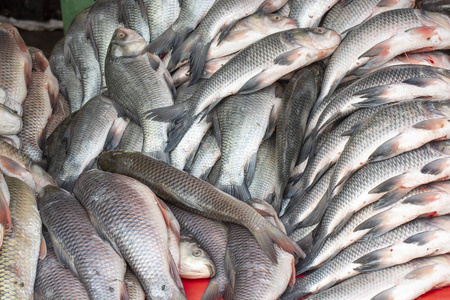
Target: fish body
135 15
132 138
10 122
195 262
161 14
207 155
309 13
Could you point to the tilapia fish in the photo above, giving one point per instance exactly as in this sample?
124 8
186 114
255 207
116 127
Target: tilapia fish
10 122
15 63
144 84
194 260
191 193
78 247
149 258
37 107
309 13
207 155
248 72
21 245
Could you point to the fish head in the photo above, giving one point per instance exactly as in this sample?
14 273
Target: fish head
11 31
316 39
126 42
271 23
41 178
108 160
194 261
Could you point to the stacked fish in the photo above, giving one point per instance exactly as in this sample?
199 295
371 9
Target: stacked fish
260 147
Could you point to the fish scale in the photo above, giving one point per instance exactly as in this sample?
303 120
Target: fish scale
160 15
309 13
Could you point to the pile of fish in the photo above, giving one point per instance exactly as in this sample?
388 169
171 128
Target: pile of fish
232 140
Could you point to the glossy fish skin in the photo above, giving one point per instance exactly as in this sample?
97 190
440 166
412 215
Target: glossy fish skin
195 262
161 14
20 248
87 136
309 13
202 198
69 84
207 155
98 266
149 258
15 65
37 106
134 288
248 72
145 84
135 15
61 111
5 198
240 129
212 235
132 138
435 5
10 122
82 55
407 281
300 233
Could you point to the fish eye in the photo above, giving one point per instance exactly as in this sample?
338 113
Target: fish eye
121 35
277 18
197 253
319 30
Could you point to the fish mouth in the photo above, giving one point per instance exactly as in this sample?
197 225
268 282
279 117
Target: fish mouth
212 271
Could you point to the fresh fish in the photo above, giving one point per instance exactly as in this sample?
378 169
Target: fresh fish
10 122
145 84
132 138
207 155
309 13
249 72
285 10
300 233
149 258
161 14
248 31
212 236
387 30
134 288
15 63
96 126
13 140
191 14
37 107
84 55
5 215
21 244
77 245
407 281
441 6
389 180
61 111
69 84
347 15
54 281
195 262
240 129
101 22
201 197
221 17
134 14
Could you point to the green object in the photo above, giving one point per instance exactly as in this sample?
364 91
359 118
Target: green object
71 8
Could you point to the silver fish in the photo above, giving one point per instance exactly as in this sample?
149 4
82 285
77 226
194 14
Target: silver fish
309 13
207 155
161 14
195 262
134 288
10 122
135 17
132 138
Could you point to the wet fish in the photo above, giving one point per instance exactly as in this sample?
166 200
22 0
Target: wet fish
134 288
61 111
77 245
5 215
161 14
435 5
132 138
37 107
309 13
87 136
145 84
207 155
284 10
10 122
149 258
21 245
300 233
134 16
15 64
201 197
195 262
13 140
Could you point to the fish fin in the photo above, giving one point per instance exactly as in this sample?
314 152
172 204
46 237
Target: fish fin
422 238
9 167
184 50
272 121
424 272
435 167
307 243
371 223
420 82
170 38
174 271
348 30
354 129
386 150
238 191
169 218
122 16
225 30
423 199
40 61
124 113
66 139
115 134
372 261
385 295
102 234
154 61
341 224
212 291
307 149
90 36
205 175
216 127
293 275
229 268
287 58
387 3
389 184
228 294
299 290
316 215
5 214
254 84
250 169
124 292
42 248
161 155
392 197
307 263
174 113
266 210
62 255
198 59
372 102
433 124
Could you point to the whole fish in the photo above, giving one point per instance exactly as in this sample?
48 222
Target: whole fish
207 155
61 111
212 236
435 5
10 122
84 57
135 17
221 17
132 138
145 84
195 261
149 258
161 14
239 130
77 245
96 126
346 16
21 245
381 31
191 14
248 72
407 281
202 198
15 63
37 107
70 85
134 288
309 13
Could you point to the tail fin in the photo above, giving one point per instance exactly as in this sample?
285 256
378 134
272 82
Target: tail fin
238 191
183 51
168 40
198 58
214 290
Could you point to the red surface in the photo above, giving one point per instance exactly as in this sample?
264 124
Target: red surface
194 290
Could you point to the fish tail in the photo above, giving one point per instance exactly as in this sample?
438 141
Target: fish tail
182 52
160 155
198 57
168 40
214 291
173 113
238 191
295 293
178 131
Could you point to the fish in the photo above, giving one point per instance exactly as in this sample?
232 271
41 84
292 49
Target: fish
149 258
38 106
212 236
248 72
15 66
54 281
13 140
191 14
83 53
309 13
161 15
435 5
10 122
206 156
145 84
302 232
195 262
132 138
201 198
70 85
134 16
87 136
21 245
61 111
100 269
284 10
5 215
239 130
134 288
221 17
